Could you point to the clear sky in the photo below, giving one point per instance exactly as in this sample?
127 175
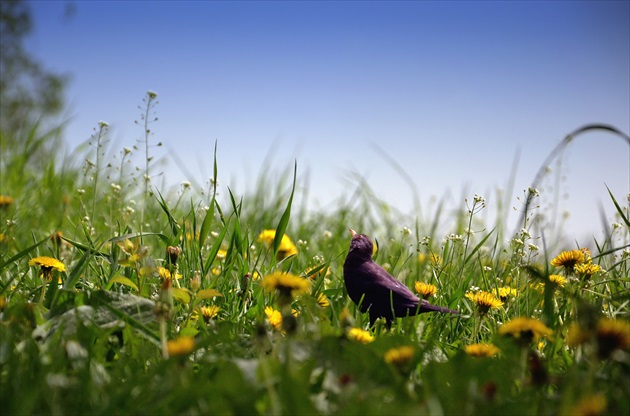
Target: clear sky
452 91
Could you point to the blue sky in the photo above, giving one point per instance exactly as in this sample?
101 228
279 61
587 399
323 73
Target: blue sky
452 91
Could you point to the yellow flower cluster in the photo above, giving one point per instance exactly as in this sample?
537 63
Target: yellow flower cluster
503 293
47 265
578 261
484 301
360 335
425 290
481 350
609 335
525 329
399 356
180 346
209 312
568 259
5 201
286 283
286 249
274 317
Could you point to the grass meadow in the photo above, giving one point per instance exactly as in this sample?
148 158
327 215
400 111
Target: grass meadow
118 296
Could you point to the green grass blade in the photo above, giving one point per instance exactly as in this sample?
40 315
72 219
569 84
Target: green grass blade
22 253
129 236
284 220
207 220
478 246
75 274
619 210
171 220
215 247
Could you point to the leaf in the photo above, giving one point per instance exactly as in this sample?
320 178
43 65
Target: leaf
124 281
181 295
208 294
188 331
284 220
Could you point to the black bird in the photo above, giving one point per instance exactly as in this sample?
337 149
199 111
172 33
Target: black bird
375 290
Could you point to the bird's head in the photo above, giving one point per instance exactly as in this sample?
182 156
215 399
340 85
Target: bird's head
361 246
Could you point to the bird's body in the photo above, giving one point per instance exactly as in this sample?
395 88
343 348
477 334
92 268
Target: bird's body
375 290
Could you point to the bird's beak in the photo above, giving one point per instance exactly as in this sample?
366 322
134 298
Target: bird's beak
352 232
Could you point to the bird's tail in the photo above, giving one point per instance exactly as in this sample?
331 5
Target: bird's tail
427 307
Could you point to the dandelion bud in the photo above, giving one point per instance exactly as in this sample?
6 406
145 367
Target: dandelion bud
173 254
195 282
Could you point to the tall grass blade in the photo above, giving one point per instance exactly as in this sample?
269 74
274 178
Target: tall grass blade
22 253
215 247
284 220
619 210
171 220
207 220
77 270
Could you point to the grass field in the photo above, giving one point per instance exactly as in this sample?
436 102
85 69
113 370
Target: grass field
117 297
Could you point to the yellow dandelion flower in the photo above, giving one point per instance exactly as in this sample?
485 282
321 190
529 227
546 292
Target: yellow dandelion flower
482 350
322 300
165 274
274 317
503 293
286 284
5 201
612 335
286 249
587 270
221 254
360 335
484 301
568 259
47 265
266 236
425 290
399 356
180 346
209 312
592 405
525 329
557 281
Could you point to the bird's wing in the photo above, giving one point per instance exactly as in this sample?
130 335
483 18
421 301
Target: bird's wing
380 288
